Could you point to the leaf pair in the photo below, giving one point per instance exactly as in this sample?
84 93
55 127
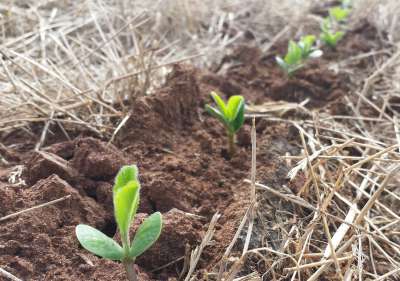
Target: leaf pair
298 53
126 201
308 50
328 36
230 114
339 14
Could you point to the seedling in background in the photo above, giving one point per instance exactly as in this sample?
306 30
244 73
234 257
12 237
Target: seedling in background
328 36
339 14
231 116
298 53
308 49
126 201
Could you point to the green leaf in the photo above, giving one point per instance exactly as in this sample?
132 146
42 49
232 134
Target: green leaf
125 175
338 13
338 36
147 234
293 56
308 40
306 44
98 243
217 114
332 39
233 107
126 201
239 119
221 104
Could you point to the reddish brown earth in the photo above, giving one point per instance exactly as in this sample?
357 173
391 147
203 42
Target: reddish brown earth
184 171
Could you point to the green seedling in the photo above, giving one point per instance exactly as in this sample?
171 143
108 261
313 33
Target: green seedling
328 36
308 49
298 53
339 14
126 201
231 115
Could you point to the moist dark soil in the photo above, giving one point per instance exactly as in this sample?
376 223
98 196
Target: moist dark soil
184 170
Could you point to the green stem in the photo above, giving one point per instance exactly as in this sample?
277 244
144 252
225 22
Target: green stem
130 269
231 143
128 262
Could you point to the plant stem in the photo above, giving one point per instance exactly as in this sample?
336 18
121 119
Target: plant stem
130 270
231 144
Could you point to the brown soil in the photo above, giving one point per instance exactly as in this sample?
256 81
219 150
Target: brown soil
184 171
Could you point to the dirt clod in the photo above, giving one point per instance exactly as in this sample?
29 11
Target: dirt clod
44 164
97 160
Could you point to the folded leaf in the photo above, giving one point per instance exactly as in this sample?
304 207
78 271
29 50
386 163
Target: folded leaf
221 104
239 119
146 235
98 243
233 106
293 55
217 114
125 175
126 201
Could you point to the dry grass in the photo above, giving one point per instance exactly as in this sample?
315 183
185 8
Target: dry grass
77 63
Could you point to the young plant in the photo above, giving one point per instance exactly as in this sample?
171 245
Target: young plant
328 36
231 115
339 14
126 201
308 49
298 53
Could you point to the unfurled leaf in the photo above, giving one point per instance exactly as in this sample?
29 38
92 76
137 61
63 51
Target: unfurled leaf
126 201
146 235
98 243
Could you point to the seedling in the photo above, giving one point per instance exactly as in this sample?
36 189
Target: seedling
339 14
308 49
298 53
328 36
126 201
230 114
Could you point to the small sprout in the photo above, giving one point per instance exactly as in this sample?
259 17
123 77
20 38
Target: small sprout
230 114
297 53
126 201
308 50
339 14
328 36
